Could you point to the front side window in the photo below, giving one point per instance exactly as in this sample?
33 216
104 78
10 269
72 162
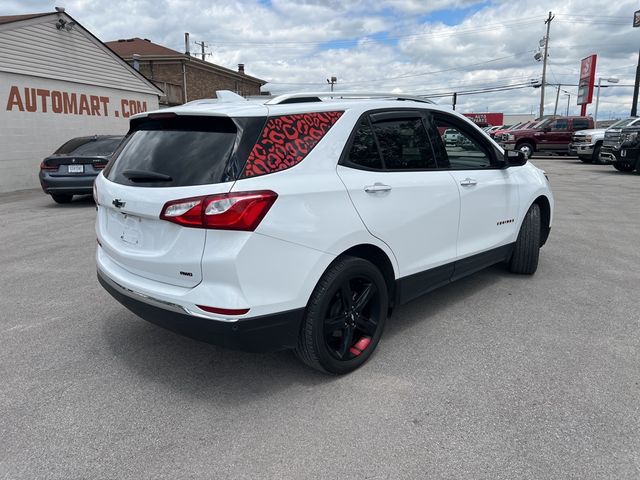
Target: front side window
459 149
404 144
364 151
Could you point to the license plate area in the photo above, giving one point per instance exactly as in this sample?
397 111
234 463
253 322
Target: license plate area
131 230
75 168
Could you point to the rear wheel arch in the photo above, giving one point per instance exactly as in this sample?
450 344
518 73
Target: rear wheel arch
379 259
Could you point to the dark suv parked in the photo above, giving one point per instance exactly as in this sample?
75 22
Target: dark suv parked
624 149
72 169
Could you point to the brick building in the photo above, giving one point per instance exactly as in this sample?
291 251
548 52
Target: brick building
182 77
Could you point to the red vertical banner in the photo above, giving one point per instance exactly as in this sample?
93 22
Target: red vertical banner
587 81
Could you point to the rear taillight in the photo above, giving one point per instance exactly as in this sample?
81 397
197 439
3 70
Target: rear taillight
99 166
48 168
228 211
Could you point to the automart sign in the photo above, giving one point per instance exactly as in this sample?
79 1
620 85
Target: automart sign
587 79
70 103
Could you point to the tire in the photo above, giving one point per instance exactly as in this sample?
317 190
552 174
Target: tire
61 197
345 317
595 156
526 148
623 167
526 252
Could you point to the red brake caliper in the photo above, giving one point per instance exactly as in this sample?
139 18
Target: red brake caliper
360 346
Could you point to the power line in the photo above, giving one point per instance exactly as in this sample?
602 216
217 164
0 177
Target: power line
410 75
367 39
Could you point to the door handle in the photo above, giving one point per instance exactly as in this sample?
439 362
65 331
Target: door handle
468 182
377 187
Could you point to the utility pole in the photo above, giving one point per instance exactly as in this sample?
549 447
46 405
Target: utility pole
455 98
544 63
202 45
634 105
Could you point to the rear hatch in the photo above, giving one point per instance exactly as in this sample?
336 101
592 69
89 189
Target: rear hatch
166 158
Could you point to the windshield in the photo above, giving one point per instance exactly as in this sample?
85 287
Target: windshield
624 122
175 152
90 146
542 123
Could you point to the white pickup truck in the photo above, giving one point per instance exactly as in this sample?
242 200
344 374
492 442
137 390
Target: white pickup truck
587 144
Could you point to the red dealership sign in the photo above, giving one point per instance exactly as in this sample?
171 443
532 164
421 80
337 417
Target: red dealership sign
486 119
587 79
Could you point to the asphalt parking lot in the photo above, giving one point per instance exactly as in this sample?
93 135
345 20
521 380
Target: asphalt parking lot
495 376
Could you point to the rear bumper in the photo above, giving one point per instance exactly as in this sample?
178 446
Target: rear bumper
265 333
80 184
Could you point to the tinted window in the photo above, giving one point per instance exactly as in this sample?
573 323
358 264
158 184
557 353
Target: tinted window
580 124
189 150
363 149
463 153
404 144
90 146
560 124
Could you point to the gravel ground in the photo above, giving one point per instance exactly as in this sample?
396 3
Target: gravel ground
495 376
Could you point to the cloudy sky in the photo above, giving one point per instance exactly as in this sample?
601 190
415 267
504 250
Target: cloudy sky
425 47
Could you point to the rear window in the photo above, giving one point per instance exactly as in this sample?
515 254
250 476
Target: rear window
90 146
175 152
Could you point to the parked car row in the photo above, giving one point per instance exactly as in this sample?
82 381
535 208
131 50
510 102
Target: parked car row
616 145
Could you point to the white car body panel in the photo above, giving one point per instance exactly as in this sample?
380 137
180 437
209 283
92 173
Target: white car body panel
428 219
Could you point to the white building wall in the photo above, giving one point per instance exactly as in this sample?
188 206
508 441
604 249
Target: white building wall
36 47
26 137
513 118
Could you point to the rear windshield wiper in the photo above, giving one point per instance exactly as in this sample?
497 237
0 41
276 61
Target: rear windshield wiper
146 176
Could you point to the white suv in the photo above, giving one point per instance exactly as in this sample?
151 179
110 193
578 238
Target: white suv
300 222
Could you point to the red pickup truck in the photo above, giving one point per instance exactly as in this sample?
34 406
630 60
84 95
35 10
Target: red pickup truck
552 134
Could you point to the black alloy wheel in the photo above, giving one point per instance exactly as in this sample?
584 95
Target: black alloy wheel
345 317
351 319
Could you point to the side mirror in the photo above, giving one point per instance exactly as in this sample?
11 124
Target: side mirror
514 158
546 129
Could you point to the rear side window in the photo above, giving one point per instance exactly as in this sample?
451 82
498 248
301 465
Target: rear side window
286 140
176 151
90 146
580 124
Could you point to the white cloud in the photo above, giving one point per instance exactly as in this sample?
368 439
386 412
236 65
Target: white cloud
388 44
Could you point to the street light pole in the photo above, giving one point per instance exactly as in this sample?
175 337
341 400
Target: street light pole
332 82
610 80
568 101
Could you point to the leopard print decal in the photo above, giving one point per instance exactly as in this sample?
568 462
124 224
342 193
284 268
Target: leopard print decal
286 140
